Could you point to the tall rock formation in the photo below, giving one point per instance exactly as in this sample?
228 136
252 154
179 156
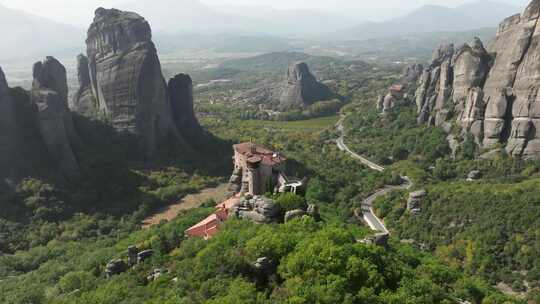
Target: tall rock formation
37 135
494 94
302 88
49 95
127 88
180 90
83 101
9 135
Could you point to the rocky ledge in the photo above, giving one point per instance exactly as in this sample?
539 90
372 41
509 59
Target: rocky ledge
490 94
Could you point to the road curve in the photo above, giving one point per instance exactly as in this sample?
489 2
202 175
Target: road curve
375 223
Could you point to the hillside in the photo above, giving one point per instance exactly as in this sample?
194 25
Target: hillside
432 18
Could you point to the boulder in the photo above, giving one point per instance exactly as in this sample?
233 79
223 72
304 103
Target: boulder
263 265
115 267
290 215
266 207
253 216
156 274
474 175
302 89
380 239
414 203
144 255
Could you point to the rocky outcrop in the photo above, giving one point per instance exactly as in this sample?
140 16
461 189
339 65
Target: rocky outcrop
398 93
411 73
302 88
414 203
37 135
126 85
290 215
49 95
83 101
180 90
9 135
491 95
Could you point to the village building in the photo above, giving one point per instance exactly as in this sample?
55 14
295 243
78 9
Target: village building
210 225
398 91
258 170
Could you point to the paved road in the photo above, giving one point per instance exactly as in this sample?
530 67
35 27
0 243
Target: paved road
368 214
375 223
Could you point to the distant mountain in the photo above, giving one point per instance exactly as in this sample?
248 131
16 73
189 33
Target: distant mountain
433 18
416 47
227 43
26 36
193 16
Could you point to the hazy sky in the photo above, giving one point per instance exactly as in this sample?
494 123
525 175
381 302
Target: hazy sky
79 12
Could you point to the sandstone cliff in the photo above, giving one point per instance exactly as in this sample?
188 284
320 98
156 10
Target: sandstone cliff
84 101
490 94
9 135
37 136
302 89
180 90
122 82
49 96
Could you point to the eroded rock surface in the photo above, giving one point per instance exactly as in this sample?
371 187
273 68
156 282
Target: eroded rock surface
180 90
9 135
302 88
37 135
49 95
491 95
125 86
83 101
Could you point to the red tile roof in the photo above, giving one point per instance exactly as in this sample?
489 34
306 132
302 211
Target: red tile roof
209 227
256 153
230 203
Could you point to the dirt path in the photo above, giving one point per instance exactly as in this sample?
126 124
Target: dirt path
191 201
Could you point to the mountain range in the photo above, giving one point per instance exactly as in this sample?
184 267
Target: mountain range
433 18
28 36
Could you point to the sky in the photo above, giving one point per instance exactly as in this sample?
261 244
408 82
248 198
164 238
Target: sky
79 12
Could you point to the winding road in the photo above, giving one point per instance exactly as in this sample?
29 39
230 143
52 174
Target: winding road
375 223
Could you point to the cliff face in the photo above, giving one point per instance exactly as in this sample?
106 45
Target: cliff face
491 95
302 88
37 136
49 96
123 83
9 134
180 90
83 101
